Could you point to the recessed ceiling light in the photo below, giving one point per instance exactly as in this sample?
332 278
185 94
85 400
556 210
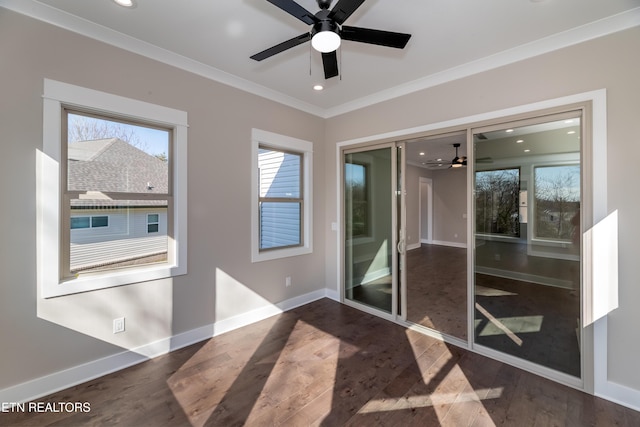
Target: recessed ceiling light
438 160
520 141
422 153
571 132
569 121
125 3
527 150
318 87
509 130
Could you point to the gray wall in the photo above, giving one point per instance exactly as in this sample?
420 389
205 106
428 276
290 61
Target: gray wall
221 282
449 204
609 62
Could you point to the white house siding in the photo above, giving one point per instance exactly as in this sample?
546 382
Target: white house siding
280 224
125 238
280 178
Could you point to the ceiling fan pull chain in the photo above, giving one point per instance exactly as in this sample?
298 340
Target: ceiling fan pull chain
340 60
310 52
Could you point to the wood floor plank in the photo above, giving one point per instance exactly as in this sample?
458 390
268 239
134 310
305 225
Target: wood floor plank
325 364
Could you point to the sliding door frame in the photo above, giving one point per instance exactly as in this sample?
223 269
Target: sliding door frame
582 112
393 315
594 202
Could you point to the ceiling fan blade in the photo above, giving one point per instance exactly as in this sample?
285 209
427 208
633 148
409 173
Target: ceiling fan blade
343 9
282 47
295 10
330 63
379 37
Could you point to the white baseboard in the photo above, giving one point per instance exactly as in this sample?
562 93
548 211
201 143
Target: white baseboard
414 246
333 294
620 394
43 386
452 244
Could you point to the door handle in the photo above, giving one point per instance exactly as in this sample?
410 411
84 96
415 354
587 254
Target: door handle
401 247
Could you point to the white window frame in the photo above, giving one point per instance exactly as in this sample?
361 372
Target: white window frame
58 95
276 141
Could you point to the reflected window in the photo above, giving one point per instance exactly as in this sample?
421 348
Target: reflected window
356 175
497 198
557 201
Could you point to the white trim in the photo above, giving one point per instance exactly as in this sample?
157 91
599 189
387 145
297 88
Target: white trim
451 244
590 31
413 246
79 374
56 95
101 33
275 140
600 28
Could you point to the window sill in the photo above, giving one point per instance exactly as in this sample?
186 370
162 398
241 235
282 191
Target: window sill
101 280
280 253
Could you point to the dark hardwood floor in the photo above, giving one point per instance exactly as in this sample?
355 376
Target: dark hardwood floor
330 365
437 289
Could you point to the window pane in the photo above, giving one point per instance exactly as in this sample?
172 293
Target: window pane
557 190
279 174
80 222
110 156
152 228
279 224
152 218
124 242
99 221
497 198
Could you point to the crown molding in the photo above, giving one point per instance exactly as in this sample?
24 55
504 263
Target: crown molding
577 35
600 28
106 35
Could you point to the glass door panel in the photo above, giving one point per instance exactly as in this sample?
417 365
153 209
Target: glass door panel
369 233
527 182
435 279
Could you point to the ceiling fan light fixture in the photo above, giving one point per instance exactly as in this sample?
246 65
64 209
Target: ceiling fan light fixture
124 3
325 37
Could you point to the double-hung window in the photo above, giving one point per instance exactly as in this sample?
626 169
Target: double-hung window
281 196
111 191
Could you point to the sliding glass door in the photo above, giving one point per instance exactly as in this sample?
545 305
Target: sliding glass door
370 261
527 241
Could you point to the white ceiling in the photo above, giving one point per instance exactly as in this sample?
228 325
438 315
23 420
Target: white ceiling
450 39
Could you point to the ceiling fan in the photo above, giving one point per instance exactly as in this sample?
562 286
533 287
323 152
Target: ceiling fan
458 162
327 32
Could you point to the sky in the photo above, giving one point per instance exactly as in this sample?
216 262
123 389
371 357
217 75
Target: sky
152 141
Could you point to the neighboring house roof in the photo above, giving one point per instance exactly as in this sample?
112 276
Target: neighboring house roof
114 166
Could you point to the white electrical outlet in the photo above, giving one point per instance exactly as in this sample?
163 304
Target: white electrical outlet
118 325
287 281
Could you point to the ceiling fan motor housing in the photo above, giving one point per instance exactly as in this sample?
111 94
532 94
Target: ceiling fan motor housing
325 25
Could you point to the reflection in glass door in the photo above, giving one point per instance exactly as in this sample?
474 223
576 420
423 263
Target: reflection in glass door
369 215
527 258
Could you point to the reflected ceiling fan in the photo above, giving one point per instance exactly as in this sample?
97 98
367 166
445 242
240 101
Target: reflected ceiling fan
327 32
456 162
